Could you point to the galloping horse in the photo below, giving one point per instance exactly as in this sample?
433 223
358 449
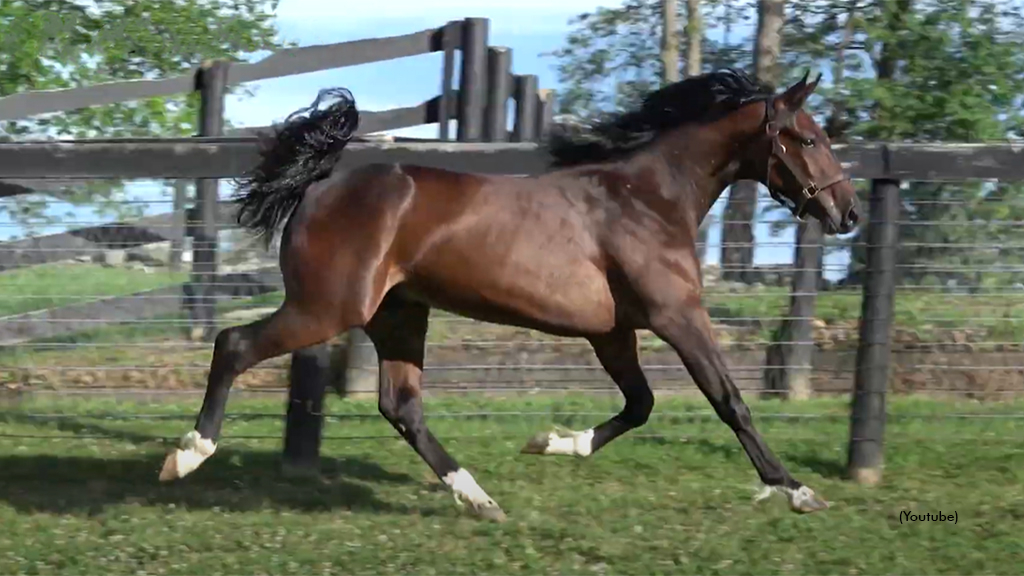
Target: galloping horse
597 248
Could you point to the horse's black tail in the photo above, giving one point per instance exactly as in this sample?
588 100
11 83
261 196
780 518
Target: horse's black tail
303 150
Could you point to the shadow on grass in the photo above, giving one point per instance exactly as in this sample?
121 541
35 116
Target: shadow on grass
232 480
824 467
791 458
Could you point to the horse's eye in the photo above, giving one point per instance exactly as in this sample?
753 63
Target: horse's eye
807 143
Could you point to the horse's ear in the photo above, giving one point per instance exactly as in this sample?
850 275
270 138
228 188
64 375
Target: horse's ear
797 94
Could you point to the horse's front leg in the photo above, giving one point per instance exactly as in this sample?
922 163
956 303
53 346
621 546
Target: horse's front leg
686 327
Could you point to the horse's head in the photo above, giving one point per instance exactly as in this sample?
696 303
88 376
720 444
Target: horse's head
793 158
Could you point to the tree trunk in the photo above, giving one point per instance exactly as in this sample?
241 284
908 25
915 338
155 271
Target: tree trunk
789 358
741 206
694 66
669 42
770 17
694 38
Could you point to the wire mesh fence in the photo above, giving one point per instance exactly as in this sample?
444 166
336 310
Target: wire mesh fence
92 304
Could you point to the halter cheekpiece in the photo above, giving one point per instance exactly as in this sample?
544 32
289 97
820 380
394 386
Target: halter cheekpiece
808 188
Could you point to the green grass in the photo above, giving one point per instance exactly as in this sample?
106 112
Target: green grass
994 317
53 285
679 503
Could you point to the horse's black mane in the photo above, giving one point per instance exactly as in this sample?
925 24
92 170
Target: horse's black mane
679 103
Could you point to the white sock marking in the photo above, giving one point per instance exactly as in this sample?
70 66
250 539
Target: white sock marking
797 498
464 486
194 451
571 444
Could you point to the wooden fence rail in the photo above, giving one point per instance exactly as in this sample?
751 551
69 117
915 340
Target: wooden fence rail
287 62
230 157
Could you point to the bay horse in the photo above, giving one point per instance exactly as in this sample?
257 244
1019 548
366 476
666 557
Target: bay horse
599 246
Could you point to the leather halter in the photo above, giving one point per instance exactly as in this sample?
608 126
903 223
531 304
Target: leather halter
808 188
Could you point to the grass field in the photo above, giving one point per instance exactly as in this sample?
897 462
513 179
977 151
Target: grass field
84 499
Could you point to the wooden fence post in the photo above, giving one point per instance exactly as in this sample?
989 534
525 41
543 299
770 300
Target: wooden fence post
499 77
546 113
178 224
211 80
361 369
309 375
473 79
525 128
867 412
450 41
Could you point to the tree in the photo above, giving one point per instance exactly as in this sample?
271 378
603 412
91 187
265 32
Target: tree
694 66
50 44
741 205
610 59
669 43
790 355
945 70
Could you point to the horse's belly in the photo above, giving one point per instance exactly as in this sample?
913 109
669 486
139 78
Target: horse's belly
573 300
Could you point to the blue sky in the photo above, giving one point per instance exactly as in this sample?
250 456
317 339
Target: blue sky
529 27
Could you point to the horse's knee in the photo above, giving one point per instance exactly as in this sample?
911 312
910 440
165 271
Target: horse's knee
736 414
232 350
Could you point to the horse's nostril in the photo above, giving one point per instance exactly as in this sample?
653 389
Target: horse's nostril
851 216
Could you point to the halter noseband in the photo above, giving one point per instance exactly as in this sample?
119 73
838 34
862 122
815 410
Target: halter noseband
809 189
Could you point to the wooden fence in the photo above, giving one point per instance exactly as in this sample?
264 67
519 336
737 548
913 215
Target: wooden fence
485 85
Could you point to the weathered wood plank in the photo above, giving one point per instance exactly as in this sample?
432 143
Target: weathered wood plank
307 59
285 62
956 161
230 157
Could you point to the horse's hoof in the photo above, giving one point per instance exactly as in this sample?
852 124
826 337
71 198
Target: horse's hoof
183 461
170 470
805 501
538 444
492 513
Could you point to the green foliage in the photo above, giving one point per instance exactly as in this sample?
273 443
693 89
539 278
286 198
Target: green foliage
51 44
611 57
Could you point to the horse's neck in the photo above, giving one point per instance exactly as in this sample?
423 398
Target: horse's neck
702 160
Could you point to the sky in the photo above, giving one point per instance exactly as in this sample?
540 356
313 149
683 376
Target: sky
529 28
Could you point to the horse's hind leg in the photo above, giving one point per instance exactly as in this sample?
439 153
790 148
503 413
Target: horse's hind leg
237 349
399 331
618 354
